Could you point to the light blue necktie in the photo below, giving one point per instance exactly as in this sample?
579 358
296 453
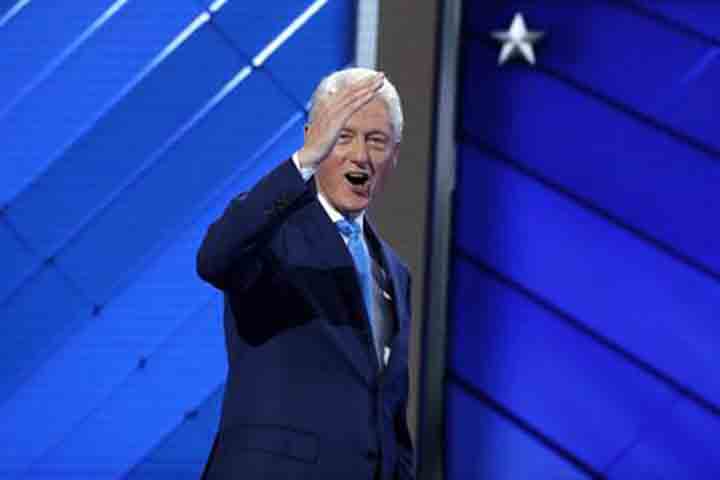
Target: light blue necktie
362 264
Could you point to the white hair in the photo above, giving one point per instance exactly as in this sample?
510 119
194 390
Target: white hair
387 93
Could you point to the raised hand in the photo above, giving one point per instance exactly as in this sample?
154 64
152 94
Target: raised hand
330 116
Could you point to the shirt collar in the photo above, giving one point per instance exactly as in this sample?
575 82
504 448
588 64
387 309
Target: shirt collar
335 216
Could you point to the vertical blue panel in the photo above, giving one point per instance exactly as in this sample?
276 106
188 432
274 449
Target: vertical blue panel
603 157
695 105
483 445
680 446
587 197
624 66
611 281
699 16
543 368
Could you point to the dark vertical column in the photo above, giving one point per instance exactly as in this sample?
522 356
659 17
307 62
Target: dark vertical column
433 332
417 49
407 38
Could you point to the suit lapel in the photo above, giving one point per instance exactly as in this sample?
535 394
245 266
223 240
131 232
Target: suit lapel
392 269
399 339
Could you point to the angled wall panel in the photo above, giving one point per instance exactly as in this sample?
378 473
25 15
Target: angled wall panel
536 363
120 340
597 273
85 83
106 330
250 27
33 41
165 203
700 18
483 444
94 174
18 257
182 453
591 160
96 167
677 447
294 71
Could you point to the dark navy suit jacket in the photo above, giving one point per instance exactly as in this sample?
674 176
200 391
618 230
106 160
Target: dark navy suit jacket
304 397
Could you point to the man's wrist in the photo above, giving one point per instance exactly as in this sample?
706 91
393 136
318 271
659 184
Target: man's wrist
305 172
305 159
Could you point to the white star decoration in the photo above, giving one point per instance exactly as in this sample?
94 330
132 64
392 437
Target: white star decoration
517 41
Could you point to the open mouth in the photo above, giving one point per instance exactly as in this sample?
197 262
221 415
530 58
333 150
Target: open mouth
357 178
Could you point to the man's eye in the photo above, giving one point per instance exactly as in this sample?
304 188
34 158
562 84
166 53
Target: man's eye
345 137
378 142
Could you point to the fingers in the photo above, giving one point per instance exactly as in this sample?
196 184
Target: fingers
337 109
332 113
357 95
350 92
367 87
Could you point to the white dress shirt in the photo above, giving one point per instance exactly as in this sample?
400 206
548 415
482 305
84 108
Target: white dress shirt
306 173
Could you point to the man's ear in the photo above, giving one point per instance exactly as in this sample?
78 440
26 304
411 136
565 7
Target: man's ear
396 154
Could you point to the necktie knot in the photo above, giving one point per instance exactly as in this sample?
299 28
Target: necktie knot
348 228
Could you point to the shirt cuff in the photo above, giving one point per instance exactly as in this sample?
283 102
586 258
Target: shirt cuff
305 172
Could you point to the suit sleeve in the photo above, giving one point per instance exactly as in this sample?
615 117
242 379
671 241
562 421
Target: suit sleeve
229 253
406 452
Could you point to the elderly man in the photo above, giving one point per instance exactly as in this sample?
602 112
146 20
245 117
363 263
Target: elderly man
317 305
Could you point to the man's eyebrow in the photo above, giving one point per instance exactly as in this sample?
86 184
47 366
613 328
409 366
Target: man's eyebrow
378 132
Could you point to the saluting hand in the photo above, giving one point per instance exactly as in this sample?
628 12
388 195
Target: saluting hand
330 116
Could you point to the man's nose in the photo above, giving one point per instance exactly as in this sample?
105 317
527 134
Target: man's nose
359 154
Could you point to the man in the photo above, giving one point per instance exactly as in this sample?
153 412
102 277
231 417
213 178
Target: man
317 306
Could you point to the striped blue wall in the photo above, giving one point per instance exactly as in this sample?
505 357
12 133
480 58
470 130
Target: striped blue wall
585 289
125 128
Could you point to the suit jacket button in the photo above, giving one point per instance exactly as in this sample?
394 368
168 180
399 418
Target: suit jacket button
371 455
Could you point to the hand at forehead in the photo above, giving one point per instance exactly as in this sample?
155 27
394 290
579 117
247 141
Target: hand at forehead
330 115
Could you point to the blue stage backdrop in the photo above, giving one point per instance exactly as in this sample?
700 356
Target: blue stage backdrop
585 289
125 128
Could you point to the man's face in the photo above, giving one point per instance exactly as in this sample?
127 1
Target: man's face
364 155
